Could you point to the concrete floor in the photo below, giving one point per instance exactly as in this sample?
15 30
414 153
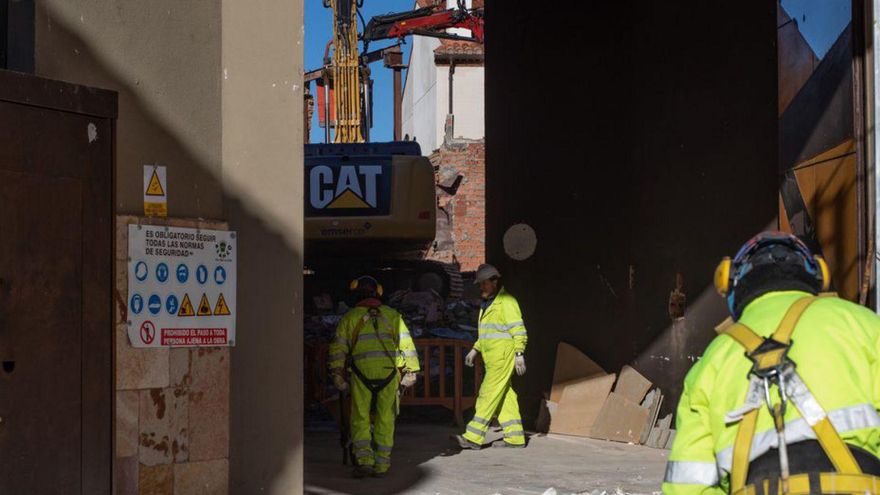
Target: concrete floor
424 462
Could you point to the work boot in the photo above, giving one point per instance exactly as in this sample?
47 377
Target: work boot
362 472
466 444
503 444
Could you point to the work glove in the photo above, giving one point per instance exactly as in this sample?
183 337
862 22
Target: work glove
469 359
520 365
408 380
339 382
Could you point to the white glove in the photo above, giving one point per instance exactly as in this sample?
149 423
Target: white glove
469 359
339 382
520 365
408 380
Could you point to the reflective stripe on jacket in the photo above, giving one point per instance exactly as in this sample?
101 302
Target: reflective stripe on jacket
377 350
501 325
836 346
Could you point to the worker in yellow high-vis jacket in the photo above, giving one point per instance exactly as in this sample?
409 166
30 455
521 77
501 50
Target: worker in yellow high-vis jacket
502 344
785 399
372 344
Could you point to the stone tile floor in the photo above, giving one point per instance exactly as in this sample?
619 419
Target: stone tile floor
425 463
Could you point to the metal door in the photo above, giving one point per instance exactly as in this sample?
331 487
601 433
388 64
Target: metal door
56 158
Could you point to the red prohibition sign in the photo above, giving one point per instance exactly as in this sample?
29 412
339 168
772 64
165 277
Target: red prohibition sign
148 332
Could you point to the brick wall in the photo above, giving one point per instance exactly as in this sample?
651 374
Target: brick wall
172 405
461 233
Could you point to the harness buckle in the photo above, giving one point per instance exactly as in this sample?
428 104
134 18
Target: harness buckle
770 359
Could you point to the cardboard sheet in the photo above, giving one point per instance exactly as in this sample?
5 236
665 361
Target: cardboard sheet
632 384
572 364
620 419
580 402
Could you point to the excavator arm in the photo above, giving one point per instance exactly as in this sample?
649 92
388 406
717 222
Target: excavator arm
427 21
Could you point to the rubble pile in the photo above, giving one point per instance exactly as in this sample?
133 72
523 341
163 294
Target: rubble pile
425 313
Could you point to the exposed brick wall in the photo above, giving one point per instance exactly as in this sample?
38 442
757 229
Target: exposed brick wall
461 232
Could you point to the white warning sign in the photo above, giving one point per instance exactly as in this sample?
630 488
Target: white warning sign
181 287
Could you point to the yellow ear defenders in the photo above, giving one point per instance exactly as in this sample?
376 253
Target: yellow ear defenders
826 273
356 283
722 276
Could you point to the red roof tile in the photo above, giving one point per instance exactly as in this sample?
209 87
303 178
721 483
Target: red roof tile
458 47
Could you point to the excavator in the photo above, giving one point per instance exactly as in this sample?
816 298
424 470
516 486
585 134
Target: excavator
371 207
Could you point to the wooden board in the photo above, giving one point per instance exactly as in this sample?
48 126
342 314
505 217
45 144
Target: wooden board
632 384
620 419
653 412
572 364
579 405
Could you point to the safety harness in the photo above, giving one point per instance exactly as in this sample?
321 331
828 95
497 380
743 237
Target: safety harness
375 386
772 366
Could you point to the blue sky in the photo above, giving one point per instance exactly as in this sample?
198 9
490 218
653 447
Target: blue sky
820 21
318 22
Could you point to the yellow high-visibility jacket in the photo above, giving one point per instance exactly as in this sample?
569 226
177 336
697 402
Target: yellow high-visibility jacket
501 326
836 347
377 350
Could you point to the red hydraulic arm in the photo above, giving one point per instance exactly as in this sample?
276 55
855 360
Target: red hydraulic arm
426 21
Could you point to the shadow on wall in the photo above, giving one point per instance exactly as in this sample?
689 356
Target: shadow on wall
265 423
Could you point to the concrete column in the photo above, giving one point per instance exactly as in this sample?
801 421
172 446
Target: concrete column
262 64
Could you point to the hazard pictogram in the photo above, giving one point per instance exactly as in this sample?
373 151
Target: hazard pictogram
155 186
186 307
221 309
205 306
148 332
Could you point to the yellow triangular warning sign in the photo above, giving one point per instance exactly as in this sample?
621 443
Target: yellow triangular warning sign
155 186
221 309
186 307
204 306
348 199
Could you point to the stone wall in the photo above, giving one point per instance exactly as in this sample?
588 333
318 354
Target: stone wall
172 405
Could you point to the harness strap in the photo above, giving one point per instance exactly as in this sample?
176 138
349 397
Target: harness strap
770 354
811 483
742 448
374 386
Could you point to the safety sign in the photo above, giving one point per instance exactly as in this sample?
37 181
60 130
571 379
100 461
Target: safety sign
155 191
182 287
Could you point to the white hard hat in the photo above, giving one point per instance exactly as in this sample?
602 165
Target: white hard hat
486 272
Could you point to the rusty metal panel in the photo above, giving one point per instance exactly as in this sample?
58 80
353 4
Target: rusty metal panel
828 184
796 61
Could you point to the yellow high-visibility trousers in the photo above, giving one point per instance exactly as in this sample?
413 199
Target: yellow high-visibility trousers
373 448
497 397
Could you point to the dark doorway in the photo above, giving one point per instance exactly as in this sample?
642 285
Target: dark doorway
56 259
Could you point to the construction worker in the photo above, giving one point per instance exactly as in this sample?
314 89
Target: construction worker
502 342
374 345
797 411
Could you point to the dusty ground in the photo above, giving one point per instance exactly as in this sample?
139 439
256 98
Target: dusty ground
424 462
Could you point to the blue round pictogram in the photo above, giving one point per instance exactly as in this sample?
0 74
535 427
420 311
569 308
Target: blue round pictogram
155 304
162 273
182 273
141 271
172 304
202 274
219 275
137 304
